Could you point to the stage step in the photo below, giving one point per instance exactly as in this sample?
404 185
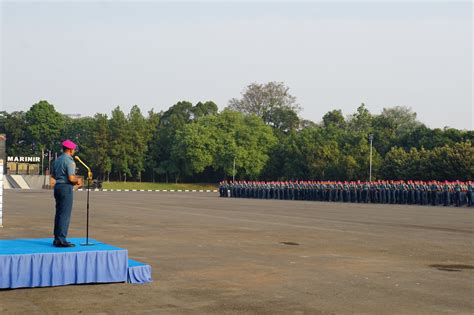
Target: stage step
138 272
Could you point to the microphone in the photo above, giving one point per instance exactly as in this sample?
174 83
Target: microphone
89 172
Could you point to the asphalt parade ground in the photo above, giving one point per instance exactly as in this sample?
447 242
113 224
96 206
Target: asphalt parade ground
230 256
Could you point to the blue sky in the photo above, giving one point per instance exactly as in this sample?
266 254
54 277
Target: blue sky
88 57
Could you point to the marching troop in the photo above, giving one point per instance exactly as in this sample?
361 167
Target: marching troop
383 192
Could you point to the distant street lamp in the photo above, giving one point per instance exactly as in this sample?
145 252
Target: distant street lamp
233 172
42 160
371 139
49 161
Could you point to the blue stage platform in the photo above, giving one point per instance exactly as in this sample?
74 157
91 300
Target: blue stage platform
37 263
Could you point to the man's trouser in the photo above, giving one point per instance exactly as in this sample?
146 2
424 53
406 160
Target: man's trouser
63 193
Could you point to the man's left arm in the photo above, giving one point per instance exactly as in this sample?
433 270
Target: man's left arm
71 175
51 171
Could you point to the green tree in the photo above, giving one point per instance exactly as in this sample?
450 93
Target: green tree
44 125
265 137
195 146
120 144
101 138
359 149
151 163
401 119
453 162
253 141
347 168
392 124
299 154
395 164
139 136
172 120
361 121
14 126
216 140
203 109
272 102
310 155
334 118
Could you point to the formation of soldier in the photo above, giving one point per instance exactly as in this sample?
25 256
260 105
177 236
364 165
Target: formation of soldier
383 192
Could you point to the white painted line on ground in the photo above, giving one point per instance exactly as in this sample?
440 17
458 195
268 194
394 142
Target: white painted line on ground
151 190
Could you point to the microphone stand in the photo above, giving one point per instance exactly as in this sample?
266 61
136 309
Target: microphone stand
87 220
89 178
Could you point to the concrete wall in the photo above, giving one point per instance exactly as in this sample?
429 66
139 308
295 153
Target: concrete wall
26 181
36 181
20 181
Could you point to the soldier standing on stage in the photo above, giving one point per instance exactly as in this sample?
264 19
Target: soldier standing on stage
64 173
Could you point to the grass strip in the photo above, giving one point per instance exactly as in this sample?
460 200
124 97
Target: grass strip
158 186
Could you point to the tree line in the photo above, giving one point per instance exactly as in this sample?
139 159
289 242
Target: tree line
261 135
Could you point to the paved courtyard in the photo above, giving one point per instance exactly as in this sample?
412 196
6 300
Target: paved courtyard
227 256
